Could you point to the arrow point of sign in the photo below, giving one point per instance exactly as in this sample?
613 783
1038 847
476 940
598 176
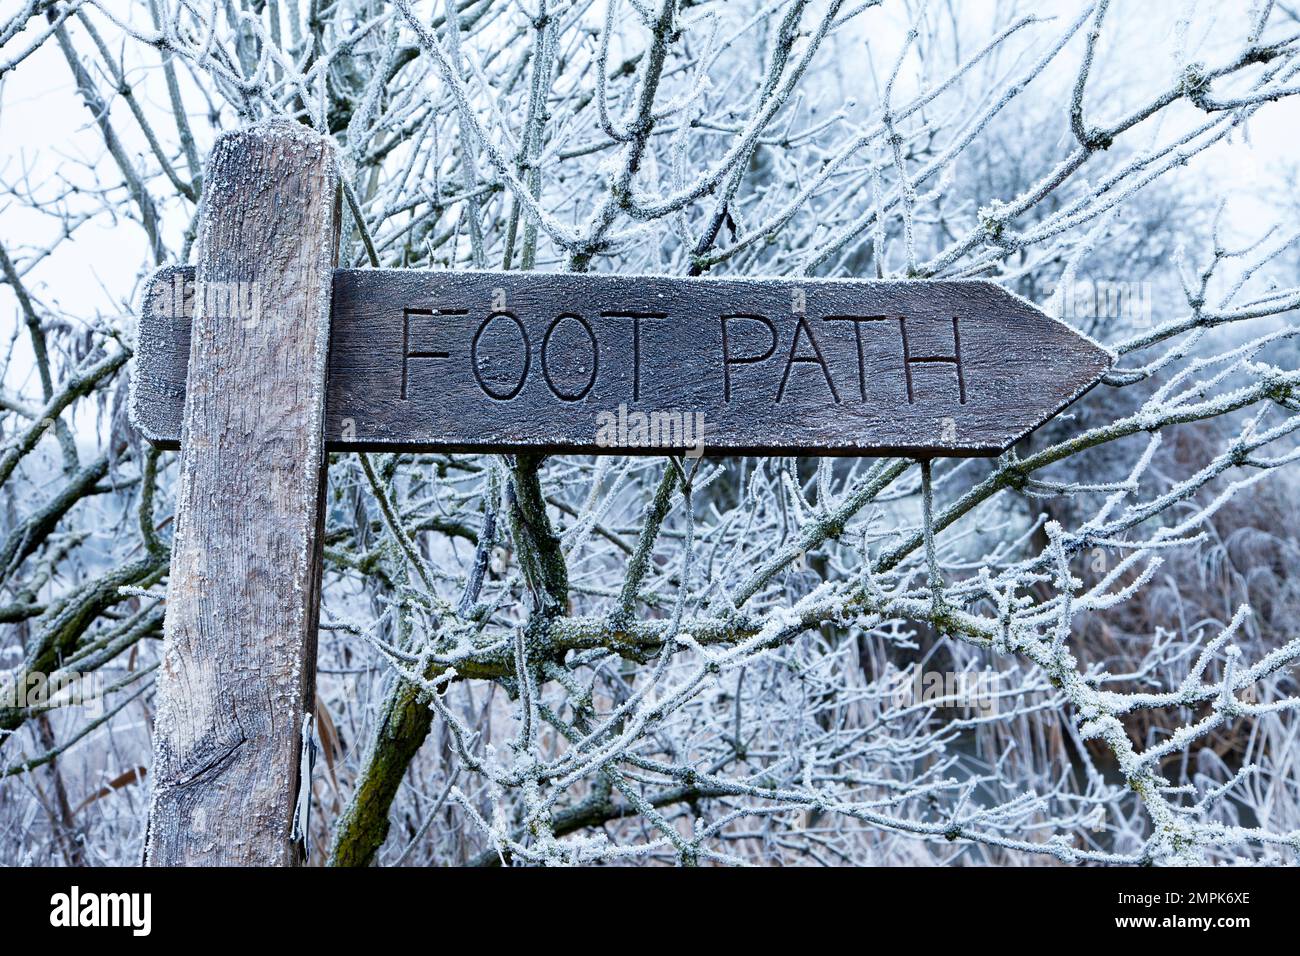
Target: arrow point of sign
1066 364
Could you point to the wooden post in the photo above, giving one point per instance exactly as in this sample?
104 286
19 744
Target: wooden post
238 671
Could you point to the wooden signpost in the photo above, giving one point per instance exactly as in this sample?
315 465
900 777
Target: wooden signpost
499 362
264 356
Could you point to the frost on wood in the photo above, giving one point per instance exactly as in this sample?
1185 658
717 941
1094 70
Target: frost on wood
1082 651
237 671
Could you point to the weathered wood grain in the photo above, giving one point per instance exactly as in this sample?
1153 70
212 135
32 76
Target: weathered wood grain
238 669
480 361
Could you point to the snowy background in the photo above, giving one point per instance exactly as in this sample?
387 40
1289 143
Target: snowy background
624 660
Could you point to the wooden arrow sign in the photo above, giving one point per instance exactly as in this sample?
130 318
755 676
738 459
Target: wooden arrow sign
502 362
286 357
